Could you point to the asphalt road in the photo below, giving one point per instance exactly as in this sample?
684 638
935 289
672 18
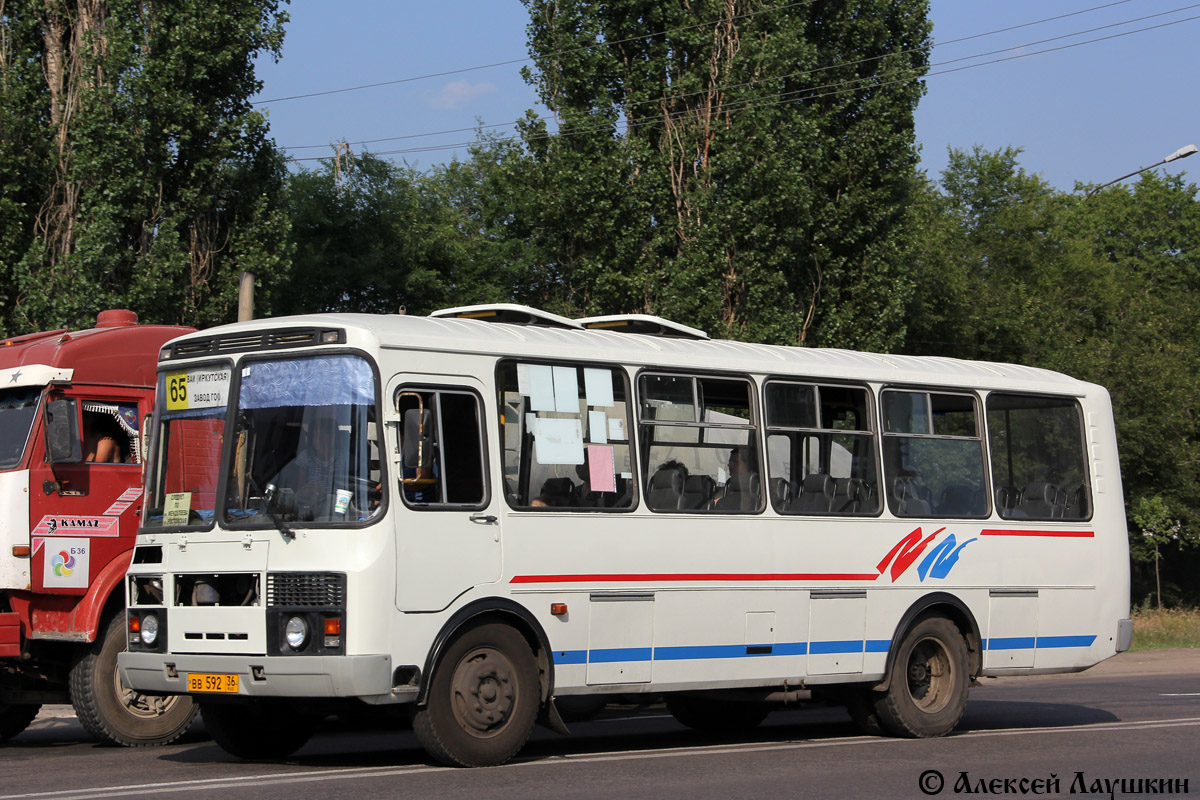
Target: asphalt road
1135 717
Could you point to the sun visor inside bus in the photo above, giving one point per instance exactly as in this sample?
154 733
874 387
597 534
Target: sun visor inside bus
325 381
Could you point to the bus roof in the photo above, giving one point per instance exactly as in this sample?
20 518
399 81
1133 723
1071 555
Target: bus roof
117 351
465 335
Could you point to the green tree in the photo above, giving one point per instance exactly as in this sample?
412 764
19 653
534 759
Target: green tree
731 164
1103 288
371 236
135 170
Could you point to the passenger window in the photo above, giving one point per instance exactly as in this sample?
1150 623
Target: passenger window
933 455
441 448
565 434
699 451
820 450
1039 462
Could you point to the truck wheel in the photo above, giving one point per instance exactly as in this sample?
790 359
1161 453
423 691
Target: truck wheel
260 729
15 717
114 714
483 699
716 716
928 689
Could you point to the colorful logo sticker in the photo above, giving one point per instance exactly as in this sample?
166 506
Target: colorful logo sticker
937 564
65 564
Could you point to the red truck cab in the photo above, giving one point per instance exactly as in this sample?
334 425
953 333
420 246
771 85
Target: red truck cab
74 408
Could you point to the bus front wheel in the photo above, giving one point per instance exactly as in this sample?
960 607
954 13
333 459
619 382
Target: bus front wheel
928 689
483 700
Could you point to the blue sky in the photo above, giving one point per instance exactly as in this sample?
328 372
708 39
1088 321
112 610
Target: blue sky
1091 112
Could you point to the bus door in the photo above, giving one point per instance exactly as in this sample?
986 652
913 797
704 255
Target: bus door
447 523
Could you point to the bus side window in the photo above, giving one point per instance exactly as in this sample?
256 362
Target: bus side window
441 448
1039 463
820 449
699 444
565 436
933 455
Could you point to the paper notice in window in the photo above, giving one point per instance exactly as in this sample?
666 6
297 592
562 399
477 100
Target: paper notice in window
558 441
566 390
616 429
541 387
597 383
597 427
176 508
523 379
601 477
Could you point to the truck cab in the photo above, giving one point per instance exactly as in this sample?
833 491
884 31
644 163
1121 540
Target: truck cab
73 407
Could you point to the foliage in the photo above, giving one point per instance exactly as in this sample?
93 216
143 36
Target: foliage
135 171
1103 288
1158 629
744 169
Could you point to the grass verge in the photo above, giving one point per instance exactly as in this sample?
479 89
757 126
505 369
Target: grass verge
1170 627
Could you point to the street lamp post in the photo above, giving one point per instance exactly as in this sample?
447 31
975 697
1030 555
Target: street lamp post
1182 152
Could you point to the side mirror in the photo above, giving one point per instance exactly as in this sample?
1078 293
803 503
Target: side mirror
62 433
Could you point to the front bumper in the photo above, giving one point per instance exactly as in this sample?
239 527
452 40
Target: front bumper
260 676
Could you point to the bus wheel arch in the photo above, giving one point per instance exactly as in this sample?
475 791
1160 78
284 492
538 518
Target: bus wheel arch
483 695
934 655
482 612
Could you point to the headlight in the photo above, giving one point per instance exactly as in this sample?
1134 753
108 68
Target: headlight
149 632
296 632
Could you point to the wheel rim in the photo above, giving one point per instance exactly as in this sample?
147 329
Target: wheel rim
142 706
930 675
483 692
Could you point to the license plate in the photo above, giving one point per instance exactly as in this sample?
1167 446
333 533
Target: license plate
212 682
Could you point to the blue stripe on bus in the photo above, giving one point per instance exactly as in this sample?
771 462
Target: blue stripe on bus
1009 643
717 651
848 646
1065 641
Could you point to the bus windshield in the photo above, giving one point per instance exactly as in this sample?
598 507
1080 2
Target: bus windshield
182 488
305 443
17 409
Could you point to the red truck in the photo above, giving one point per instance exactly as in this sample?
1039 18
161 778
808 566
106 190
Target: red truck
74 413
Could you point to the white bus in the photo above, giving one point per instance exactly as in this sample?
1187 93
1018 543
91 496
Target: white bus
476 514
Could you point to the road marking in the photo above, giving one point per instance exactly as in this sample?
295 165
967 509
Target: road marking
1182 694
313 776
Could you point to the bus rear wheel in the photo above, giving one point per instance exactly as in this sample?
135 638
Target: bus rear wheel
114 714
928 686
15 717
259 729
483 699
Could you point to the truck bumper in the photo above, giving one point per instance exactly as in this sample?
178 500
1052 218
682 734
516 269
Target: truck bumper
259 676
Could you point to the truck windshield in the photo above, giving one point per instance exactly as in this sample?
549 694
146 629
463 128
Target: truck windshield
17 410
305 444
182 487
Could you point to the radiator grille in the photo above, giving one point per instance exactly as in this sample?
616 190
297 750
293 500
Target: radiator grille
306 589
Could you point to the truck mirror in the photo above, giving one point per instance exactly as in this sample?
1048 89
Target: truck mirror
62 433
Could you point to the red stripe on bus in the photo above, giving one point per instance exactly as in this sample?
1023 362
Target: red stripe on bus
1067 534
693 577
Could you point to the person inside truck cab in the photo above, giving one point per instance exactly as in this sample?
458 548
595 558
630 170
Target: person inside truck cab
102 439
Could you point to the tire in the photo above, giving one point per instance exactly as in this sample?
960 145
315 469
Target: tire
114 714
928 686
483 699
716 716
259 729
15 717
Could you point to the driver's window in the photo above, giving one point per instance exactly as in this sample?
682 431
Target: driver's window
441 448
